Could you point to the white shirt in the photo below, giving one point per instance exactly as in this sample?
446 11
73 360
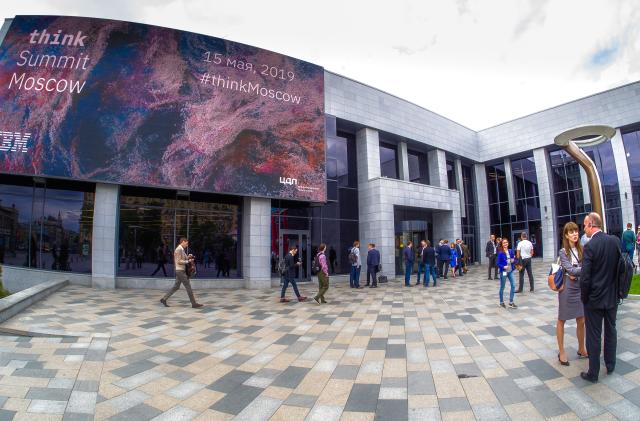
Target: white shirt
526 249
584 239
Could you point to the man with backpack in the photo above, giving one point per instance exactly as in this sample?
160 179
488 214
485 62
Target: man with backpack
320 264
600 293
289 275
356 265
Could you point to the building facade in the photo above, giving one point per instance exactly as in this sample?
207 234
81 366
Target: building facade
395 172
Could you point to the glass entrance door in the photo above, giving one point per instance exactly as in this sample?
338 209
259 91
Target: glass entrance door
301 239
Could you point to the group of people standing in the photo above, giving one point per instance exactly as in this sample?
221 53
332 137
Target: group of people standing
435 262
503 261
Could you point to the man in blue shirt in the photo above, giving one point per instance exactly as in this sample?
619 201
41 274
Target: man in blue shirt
408 263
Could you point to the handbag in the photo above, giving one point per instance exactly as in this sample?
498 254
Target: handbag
556 277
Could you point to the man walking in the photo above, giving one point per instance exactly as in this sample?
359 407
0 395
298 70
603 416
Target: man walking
181 259
491 253
290 275
323 275
421 261
373 263
525 253
408 263
598 286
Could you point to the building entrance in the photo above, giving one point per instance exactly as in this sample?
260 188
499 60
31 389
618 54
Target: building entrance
302 240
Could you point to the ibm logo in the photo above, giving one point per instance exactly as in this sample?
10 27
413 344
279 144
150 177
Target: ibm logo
14 142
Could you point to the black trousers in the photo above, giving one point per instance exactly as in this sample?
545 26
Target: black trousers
492 264
443 266
526 265
594 320
372 272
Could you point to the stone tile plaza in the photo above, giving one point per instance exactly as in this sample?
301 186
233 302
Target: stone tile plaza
392 353
133 154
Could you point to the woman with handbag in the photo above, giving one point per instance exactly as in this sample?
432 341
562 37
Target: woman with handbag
569 303
505 263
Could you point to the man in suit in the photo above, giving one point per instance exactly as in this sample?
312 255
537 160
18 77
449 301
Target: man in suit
373 261
444 254
598 286
491 253
421 267
460 256
181 259
407 253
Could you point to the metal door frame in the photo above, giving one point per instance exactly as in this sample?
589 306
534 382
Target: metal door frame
307 244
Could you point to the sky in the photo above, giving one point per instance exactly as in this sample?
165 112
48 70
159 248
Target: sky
476 62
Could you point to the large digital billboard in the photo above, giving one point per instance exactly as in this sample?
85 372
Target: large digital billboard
128 103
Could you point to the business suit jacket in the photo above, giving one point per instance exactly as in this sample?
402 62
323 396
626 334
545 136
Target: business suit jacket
599 271
373 258
489 249
429 256
444 252
408 254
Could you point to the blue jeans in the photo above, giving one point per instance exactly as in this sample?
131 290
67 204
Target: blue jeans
430 270
460 266
503 281
421 268
354 277
286 283
408 268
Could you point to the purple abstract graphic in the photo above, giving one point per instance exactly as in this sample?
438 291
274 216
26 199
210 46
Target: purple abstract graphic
128 103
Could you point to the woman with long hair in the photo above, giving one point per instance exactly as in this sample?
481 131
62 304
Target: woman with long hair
505 263
569 303
453 259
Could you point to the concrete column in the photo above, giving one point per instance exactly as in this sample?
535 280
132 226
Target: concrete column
438 168
511 194
547 203
368 152
256 242
446 225
482 209
460 178
403 162
104 243
624 180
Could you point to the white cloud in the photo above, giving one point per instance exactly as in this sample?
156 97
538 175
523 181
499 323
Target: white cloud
478 62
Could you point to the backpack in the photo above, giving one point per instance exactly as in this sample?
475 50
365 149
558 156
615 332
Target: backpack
315 267
282 267
353 259
625 273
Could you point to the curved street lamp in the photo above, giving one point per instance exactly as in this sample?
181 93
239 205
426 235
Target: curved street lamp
570 141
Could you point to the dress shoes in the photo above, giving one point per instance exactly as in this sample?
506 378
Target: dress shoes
164 302
587 377
197 305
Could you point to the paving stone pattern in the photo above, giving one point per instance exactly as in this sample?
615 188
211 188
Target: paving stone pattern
391 353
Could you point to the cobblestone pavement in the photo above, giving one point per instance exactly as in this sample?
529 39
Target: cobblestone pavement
390 353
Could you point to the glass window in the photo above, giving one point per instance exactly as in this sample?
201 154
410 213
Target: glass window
47 225
388 160
451 175
150 228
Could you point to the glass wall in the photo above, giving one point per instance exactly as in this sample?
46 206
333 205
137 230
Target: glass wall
388 160
336 222
631 141
602 156
152 221
568 194
418 167
451 175
46 224
469 221
527 201
499 217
